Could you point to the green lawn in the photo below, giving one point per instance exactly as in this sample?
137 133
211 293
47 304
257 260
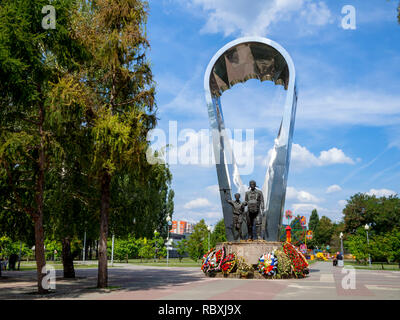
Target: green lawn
31 265
374 266
173 262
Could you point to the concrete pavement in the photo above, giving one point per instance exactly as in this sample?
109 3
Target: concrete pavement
141 282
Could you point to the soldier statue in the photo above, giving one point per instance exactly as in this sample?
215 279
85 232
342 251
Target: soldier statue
254 200
238 212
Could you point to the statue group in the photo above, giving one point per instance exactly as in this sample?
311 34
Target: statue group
254 203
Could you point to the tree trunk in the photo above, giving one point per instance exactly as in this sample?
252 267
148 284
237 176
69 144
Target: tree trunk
38 216
102 280
39 252
90 250
67 259
86 251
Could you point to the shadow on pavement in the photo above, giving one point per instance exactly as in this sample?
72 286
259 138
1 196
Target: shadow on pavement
127 279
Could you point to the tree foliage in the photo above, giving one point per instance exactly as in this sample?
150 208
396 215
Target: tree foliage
181 248
76 104
218 235
198 241
383 213
314 220
323 233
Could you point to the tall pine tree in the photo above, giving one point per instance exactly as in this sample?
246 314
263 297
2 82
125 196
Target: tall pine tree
117 84
31 58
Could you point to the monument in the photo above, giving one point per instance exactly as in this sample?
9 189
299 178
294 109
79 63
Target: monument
238 61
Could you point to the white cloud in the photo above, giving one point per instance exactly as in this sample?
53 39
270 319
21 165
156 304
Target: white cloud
303 158
302 196
238 17
197 203
214 189
333 188
305 209
347 106
211 217
342 203
333 156
381 192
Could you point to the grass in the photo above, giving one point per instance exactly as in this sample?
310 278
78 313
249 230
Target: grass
374 266
31 265
173 262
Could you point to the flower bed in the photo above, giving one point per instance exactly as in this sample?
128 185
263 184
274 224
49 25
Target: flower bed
287 262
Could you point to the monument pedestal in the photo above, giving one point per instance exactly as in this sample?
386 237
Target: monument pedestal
250 250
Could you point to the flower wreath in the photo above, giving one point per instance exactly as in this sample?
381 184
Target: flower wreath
268 264
299 262
302 257
229 263
206 260
213 260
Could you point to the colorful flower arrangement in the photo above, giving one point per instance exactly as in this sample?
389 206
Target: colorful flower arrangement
321 256
268 264
282 263
243 268
206 260
284 269
229 263
212 260
298 261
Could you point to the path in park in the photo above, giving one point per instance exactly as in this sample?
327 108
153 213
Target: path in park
140 282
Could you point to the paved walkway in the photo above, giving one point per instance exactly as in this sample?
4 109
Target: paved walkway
141 282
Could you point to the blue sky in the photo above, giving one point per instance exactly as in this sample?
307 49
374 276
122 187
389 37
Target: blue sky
347 133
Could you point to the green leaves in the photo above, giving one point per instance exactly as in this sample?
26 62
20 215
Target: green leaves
198 240
382 213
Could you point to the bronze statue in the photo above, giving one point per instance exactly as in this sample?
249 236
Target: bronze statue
238 213
254 200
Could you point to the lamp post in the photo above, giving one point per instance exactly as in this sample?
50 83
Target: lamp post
341 245
112 251
209 232
155 245
168 243
369 256
84 247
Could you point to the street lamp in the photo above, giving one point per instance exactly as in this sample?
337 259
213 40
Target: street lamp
209 232
155 245
369 256
341 246
168 242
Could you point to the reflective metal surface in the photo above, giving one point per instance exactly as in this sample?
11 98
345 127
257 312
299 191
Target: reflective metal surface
238 61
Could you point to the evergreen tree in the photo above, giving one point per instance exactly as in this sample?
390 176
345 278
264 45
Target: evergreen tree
197 243
117 92
181 248
324 231
218 235
31 58
314 221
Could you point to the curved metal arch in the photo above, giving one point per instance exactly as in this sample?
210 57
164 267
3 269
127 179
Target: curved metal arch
275 183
